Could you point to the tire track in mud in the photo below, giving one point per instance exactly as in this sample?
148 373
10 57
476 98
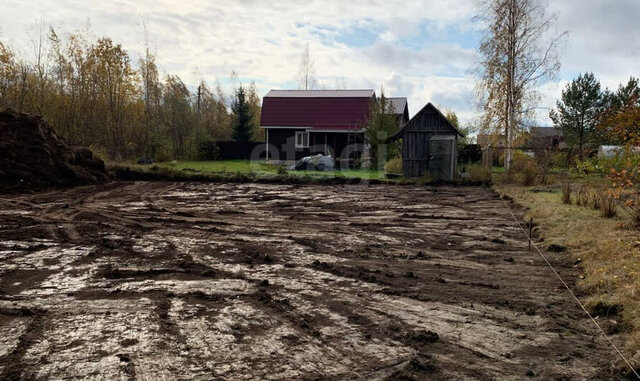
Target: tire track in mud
250 281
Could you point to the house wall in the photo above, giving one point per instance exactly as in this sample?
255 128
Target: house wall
282 144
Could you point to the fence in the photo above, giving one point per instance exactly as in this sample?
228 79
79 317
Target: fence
469 154
237 150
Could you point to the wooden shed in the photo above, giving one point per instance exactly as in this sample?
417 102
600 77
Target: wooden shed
429 145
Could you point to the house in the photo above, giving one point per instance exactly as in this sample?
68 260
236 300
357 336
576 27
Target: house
299 123
547 137
429 145
400 109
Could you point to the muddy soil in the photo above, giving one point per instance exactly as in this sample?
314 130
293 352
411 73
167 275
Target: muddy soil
149 280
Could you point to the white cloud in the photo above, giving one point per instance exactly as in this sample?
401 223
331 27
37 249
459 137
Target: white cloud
262 41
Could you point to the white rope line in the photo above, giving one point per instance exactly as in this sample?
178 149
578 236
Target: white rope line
567 287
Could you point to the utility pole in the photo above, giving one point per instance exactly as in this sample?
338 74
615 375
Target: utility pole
198 123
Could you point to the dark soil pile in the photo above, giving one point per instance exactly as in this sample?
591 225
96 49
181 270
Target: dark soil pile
33 157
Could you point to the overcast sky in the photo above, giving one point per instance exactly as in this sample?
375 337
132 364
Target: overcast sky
423 50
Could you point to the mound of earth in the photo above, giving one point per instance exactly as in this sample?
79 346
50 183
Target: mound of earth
32 156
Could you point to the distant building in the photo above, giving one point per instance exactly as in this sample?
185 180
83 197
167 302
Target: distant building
400 109
547 137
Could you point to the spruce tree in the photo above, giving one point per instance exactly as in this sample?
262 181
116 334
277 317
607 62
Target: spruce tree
382 124
577 111
242 117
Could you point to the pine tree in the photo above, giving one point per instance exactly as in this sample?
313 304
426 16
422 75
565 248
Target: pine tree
242 117
577 111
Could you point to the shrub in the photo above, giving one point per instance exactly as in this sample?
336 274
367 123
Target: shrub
99 152
560 160
162 152
529 174
394 166
281 169
588 166
520 160
523 169
208 150
479 174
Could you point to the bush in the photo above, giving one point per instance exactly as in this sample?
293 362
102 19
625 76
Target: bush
560 160
529 174
281 169
394 166
99 152
479 174
208 150
523 170
589 166
162 153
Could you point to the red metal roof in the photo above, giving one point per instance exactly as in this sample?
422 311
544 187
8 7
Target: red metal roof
317 109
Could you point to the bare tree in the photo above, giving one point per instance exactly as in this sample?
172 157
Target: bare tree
517 55
307 76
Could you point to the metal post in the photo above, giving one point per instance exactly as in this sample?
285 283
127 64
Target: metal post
266 145
198 124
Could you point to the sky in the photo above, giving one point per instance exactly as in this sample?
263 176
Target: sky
422 50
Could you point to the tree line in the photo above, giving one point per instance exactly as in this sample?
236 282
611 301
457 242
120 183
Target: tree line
590 116
519 51
93 95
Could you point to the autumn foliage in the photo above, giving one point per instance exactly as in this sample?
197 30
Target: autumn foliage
623 124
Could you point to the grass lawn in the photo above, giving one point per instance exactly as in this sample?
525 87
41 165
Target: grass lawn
246 166
234 166
607 250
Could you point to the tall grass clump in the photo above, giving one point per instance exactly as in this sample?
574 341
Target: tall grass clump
607 205
566 192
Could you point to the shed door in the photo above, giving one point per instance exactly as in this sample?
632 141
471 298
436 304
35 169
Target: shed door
441 163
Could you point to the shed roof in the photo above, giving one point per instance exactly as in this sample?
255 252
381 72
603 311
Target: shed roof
319 109
398 104
428 106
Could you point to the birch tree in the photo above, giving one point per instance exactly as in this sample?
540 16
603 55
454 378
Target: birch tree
518 53
307 74
152 90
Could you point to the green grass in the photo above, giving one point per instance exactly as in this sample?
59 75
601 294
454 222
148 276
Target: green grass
246 166
232 166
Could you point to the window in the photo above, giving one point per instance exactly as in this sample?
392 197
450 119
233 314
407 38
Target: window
302 139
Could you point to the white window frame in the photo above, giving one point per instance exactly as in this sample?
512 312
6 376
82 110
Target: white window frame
303 141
